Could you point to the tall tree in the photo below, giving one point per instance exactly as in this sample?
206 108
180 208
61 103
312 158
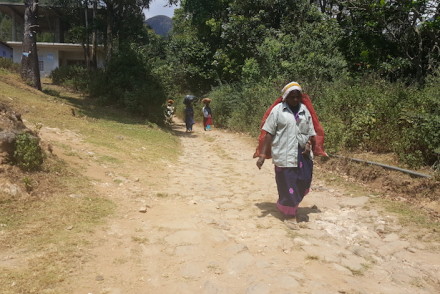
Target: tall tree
30 70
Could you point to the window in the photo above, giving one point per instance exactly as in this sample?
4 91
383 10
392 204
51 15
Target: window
41 65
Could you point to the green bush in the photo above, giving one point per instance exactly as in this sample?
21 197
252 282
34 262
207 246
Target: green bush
367 114
28 154
9 65
419 124
75 77
128 82
240 107
366 110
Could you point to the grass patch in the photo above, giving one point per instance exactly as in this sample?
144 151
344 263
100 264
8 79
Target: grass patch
140 240
312 257
109 159
48 232
162 195
208 139
409 215
100 126
120 260
71 153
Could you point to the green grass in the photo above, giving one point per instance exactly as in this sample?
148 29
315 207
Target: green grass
109 159
100 126
409 215
39 230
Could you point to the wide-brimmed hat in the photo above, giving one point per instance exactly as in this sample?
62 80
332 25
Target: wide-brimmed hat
170 101
206 100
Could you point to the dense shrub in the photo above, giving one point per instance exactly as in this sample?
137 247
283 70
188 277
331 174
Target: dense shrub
363 112
75 77
419 125
127 81
240 107
367 114
28 154
9 65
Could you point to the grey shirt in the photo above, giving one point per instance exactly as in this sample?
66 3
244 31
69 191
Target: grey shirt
288 133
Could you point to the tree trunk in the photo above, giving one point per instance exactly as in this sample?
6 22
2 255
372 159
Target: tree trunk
87 39
109 43
30 69
94 35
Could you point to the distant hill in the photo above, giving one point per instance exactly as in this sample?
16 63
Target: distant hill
160 24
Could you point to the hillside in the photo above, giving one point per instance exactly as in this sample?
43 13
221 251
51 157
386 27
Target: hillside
161 24
48 217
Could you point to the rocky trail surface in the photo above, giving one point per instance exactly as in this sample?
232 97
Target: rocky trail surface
208 224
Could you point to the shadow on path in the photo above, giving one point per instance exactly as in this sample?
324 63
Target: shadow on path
178 129
302 214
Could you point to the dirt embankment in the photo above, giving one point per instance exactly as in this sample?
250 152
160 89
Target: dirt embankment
421 192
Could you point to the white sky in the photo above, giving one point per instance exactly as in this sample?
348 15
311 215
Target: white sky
157 8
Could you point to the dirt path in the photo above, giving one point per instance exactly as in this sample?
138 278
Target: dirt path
211 227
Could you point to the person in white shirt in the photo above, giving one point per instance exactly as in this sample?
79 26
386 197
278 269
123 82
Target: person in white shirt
290 134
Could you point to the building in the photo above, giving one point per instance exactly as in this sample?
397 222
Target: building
5 50
54 48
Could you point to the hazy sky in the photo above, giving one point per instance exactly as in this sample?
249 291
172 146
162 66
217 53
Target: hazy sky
157 8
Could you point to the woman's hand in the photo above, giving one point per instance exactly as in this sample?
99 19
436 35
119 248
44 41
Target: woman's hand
308 148
260 161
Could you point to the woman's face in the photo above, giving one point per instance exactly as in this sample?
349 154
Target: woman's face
293 98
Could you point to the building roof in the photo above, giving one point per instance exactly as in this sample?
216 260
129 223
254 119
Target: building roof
5 44
45 45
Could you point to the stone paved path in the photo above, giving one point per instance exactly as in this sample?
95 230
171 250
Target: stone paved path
211 226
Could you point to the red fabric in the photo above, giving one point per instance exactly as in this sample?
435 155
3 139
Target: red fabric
318 149
263 132
207 121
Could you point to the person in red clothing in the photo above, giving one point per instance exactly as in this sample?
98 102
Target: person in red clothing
289 135
207 114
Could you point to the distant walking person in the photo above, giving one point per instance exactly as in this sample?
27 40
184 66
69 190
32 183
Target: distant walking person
169 111
207 114
189 113
289 135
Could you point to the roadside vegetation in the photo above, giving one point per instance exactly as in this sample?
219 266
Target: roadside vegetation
371 68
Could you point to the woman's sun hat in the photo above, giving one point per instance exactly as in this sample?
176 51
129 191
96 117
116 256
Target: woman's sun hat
170 101
206 100
289 88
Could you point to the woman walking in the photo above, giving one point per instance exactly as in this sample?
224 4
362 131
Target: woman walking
189 113
289 137
207 114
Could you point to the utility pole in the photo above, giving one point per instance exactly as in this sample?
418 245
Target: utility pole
30 69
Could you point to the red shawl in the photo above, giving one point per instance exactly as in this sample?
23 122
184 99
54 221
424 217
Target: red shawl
318 148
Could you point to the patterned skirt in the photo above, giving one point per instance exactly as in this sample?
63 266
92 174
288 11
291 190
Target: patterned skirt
293 184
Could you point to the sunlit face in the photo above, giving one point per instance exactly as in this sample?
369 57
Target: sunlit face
293 98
